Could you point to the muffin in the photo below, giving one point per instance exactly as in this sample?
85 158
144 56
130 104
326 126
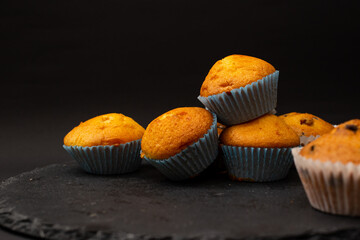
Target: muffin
259 150
182 142
329 169
351 125
106 144
240 88
307 126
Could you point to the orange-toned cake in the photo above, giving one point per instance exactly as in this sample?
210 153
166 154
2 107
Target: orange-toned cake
175 130
258 150
305 124
341 145
107 129
268 131
233 72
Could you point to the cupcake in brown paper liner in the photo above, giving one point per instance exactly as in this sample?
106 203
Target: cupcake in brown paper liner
329 169
307 126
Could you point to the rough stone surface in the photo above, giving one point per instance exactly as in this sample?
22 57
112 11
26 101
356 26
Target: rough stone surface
63 202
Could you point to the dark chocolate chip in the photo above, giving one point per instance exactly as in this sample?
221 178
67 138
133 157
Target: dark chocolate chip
306 121
312 148
285 115
351 127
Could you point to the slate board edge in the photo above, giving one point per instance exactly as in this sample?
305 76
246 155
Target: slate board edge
35 227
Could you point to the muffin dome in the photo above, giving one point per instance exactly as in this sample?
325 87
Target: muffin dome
305 124
268 131
341 145
107 129
233 72
175 130
350 128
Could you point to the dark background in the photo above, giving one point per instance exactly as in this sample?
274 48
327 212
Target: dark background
63 62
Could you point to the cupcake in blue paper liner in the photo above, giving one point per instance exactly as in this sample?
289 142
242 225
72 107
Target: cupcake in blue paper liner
106 144
181 143
259 150
240 88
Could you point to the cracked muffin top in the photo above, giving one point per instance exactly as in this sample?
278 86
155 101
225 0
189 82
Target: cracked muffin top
268 131
233 72
342 144
107 129
305 124
175 130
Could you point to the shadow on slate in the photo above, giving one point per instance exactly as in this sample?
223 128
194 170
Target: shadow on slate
63 202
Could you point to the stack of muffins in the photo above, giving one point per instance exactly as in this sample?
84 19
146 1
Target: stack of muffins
183 142
254 144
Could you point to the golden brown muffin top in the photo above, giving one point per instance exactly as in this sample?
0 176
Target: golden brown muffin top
233 72
340 145
107 129
267 131
348 128
305 124
175 130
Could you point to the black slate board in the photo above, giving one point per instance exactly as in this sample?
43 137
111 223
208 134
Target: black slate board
63 202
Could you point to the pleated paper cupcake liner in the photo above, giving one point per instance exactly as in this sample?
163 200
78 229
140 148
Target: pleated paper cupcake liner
192 160
108 159
245 103
330 187
257 164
